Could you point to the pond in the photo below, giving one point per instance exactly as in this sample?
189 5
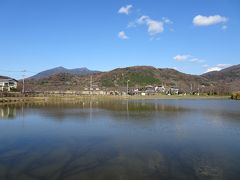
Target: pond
135 139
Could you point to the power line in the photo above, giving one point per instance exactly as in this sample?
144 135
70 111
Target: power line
19 71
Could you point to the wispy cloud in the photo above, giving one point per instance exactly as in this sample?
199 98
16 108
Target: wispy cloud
154 26
197 60
122 35
200 20
125 9
224 65
167 20
181 57
218 67
213 69
189 58
132 24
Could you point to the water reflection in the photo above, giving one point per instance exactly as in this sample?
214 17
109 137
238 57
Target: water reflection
121 140
62 110
7 112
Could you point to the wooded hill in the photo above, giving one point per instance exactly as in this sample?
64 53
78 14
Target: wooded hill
219 82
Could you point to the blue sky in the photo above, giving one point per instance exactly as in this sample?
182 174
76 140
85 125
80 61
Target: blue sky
193 36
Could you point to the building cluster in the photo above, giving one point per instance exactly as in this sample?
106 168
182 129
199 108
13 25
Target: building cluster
147 90
151 90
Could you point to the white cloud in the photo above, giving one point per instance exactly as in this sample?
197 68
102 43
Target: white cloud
200 20
213 69
154 26
188 58
142 19
125 10
131 24
218 67
122 35
197 60
224 65
181 57
167 20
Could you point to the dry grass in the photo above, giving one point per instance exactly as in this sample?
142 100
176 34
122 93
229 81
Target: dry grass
236 95
106 97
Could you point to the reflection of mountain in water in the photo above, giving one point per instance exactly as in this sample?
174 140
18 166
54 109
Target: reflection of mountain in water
86 109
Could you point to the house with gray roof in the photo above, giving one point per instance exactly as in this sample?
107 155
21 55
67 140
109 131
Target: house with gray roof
7 83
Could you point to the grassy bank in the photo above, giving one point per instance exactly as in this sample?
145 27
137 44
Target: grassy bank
21 99
236 96
87 98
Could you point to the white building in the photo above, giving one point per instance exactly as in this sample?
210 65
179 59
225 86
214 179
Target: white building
160 89
7 83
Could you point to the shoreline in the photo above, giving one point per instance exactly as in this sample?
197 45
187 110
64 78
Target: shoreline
6 100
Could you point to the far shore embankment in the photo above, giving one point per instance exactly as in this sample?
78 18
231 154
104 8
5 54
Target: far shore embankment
69 98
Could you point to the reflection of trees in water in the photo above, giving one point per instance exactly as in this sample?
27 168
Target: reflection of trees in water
87 109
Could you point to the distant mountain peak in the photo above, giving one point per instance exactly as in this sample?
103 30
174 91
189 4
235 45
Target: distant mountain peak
61 69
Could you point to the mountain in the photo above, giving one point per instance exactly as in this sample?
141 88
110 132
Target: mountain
4 77
140 76
58 70
222 82
229 77
228 74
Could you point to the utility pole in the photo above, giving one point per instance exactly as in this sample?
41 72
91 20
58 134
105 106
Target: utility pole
191 88
127 86
90 84
198 89
23 81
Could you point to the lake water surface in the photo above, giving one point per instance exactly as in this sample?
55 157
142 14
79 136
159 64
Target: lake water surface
116 140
